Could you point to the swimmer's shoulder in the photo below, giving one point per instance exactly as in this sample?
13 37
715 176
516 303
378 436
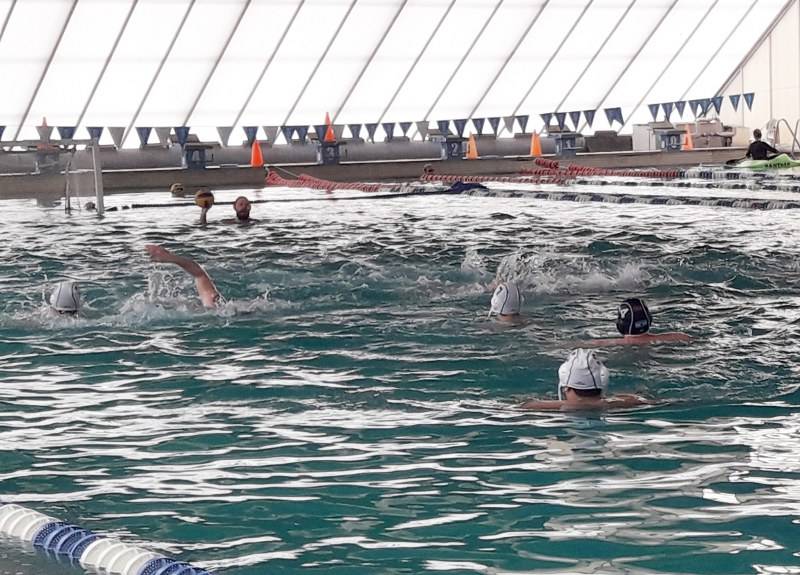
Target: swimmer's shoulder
620 401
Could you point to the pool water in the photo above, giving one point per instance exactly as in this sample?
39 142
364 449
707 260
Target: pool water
351 409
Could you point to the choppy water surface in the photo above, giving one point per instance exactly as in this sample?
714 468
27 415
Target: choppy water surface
351 409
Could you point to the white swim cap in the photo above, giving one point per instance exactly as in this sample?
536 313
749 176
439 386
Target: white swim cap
582 370
66 298
506 300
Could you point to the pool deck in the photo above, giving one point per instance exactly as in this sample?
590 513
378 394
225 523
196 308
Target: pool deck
16 186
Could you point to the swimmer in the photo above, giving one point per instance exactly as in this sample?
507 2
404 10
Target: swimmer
633 322
582 385
66 298
205 287
242 208
506 303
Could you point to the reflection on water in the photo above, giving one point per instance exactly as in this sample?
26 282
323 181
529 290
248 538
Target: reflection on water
351 408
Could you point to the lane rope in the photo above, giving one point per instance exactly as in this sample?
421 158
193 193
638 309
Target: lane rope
60 540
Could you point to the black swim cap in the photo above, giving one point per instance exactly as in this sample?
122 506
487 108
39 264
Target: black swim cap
633 317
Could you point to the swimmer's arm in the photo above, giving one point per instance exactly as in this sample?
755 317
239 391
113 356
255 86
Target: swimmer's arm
627 400
672 336
205 287
203 220
542 405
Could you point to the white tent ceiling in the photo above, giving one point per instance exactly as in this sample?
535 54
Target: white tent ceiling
208 63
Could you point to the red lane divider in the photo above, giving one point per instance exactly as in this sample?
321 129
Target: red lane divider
573 169
306 181
548 178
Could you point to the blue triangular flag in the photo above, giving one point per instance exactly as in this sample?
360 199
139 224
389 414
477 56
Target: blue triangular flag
716 101
495 124
561 118
546 119
66 132
734 98
705 104
589 116
251 131
181 134
302 133
3 129
94 132
371 130
319 130
144 134
575 117
388 128
404 127
460 125
653 110
693 104
680 106
667 107
287 132
523 122
478 123
748 99
619 117
444 126
355 130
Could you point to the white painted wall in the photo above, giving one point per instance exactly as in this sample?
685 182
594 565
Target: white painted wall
772 73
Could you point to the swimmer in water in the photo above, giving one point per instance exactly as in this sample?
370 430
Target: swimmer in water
66 298
205 287
242 208
633 322
506 303
582 385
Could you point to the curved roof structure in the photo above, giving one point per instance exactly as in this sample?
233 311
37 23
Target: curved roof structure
211 63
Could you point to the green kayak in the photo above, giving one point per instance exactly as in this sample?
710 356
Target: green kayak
781 161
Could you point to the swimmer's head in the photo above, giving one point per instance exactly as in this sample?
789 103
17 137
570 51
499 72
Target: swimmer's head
66 298
633 317
584 374
757 134
506 300
242 208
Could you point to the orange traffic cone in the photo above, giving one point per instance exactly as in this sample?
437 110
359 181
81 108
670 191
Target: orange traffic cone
472 148
256 159
688 143
329 135
536 145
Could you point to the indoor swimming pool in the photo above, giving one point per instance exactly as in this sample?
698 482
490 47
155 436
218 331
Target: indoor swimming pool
351 409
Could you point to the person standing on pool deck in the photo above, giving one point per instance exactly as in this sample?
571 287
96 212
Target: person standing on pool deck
582 386
759 150
633 322
206 289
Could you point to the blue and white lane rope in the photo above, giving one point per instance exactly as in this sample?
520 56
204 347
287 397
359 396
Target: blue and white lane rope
90 550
